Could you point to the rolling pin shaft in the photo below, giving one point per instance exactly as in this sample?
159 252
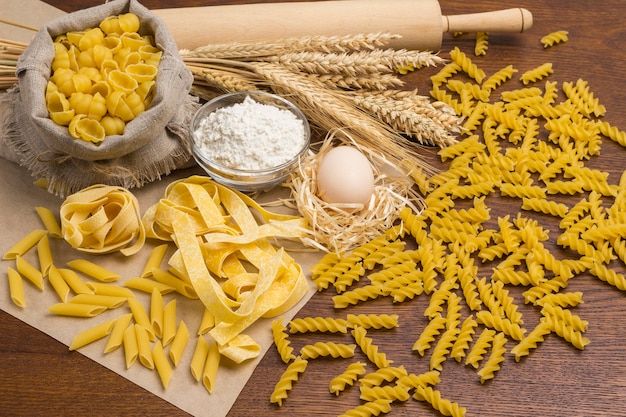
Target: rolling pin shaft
419 22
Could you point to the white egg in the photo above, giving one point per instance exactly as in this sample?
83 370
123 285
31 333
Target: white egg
345 176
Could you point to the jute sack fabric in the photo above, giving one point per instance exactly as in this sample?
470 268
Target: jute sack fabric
155 143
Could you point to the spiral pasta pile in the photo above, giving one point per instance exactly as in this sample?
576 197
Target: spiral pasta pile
102 78
531 148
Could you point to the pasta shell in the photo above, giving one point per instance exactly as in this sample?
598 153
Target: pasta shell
132 41
72 126
135 104
121 81
89 130
61 57
116 105
101 53
101 87
149 52
63 118
145 89
111 25
61 76
79 83
113 125
91 38
97 107
86 59
142 72
72 54
62 39
127 57
56 102
129 22
107 66
92 73
74 37
114 43
51 87
80 102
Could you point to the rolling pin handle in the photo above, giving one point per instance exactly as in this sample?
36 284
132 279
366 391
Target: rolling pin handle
508 20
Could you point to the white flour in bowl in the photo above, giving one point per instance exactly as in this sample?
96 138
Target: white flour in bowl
250 136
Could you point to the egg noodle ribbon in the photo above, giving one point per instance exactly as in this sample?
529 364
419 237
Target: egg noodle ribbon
225 252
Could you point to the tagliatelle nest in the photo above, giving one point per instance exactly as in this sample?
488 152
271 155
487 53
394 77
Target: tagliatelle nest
342 227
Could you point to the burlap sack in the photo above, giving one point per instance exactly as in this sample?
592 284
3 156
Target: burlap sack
153 144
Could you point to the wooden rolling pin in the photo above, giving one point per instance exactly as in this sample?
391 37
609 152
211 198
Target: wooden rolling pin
420 22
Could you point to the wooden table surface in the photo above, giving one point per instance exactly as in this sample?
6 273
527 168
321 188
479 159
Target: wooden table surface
39 377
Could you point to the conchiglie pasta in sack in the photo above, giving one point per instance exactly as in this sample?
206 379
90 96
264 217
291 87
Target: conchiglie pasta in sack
103 98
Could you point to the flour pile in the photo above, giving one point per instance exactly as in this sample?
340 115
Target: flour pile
250 136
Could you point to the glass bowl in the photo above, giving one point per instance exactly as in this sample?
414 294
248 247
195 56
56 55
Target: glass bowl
217 141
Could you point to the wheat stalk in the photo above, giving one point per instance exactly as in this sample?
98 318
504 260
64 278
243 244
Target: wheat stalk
404 116
221 79
354 64
326 44
379 82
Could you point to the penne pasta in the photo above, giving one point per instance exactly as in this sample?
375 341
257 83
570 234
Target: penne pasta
94 271
169 322
76 310
74 281
209 374
147 285
207 322
58 283
177 268
107 301
92 334
143 346
116 337
182 287
16 287
50 222
131 351
179 343
45 255
161 364
154 260
198 359
29 272
25 244
141 316
156 312
101 288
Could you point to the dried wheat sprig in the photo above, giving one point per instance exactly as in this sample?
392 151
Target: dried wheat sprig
371 82
353 64
439 111
412 117
224 80
320 43
331 110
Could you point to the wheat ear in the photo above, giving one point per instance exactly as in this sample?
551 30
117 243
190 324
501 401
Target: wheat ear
327 44
354 64
378 82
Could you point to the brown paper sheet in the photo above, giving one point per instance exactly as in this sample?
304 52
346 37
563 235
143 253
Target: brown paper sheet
17 208
18 217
